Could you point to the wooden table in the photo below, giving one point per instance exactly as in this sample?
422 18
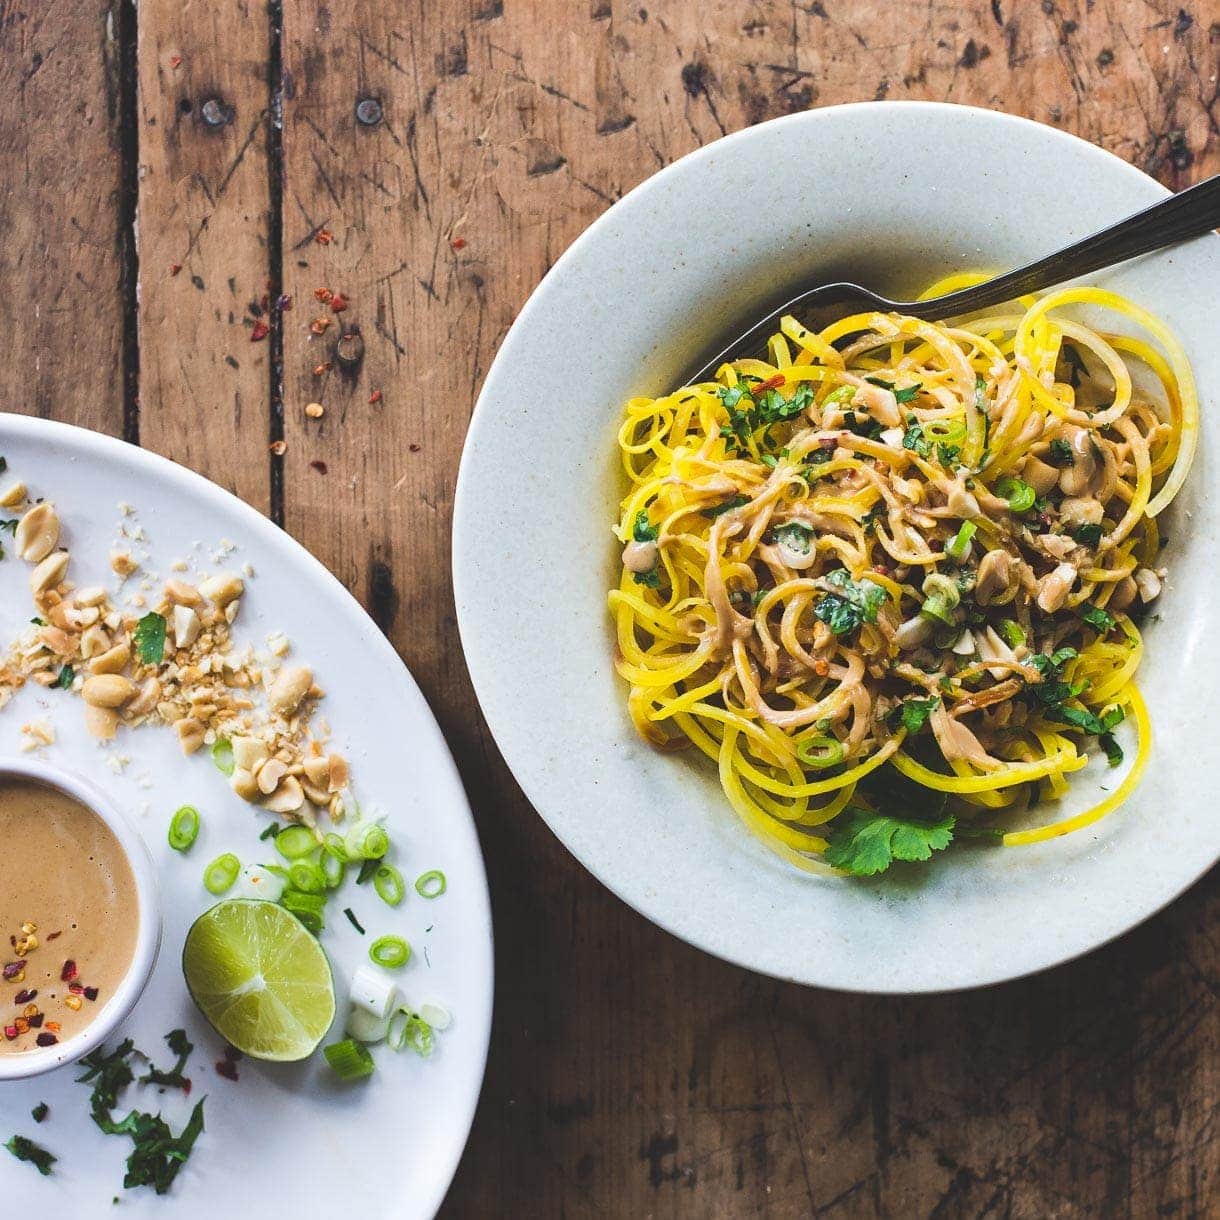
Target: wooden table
168 179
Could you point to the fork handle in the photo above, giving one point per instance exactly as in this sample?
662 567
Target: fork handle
1190 213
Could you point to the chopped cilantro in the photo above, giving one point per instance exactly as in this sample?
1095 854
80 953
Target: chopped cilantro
912 714
1114 752
796 536
149 637
1088 534
727 506
269 832
863 842
914 440
173 1079
908 392
641 530
855 603
367 869
885 385
26 1150
863 425
66 675
9 524
40 1111
157 1154
948 454
1097 618
1061 453
650 579
819 456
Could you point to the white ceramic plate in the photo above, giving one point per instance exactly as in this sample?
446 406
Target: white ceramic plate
890 195
286 1139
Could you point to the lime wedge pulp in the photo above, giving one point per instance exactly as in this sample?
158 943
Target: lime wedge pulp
260 978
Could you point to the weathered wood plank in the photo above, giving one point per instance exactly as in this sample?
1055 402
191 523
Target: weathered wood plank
205 228
630 1075
63 214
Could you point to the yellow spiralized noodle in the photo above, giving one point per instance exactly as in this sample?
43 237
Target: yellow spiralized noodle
894 552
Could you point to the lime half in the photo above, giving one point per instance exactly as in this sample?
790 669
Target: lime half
260 978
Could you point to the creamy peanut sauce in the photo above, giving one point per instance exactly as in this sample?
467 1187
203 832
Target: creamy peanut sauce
63 872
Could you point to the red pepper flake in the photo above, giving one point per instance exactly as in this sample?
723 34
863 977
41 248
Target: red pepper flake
319 325
53 1026
772 383
324 295
174 268
324 367
375 396
69 972
319 465
10 1032
36 1021
324 237
45 1039
55 935
283 302
458 243
414 447
22 1024
76 988
227 1069
175 61
12 970
25 996
91 994
338 302
260 331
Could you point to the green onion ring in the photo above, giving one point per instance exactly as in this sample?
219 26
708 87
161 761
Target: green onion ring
220 875
431 884
184 828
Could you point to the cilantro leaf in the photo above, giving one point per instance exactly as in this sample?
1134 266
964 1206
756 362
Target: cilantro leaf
650 579
948 454
796 536
149 638
855 603
885 385
642 530
863 842
1088 534
1114 752
157 1154
173 1079
914 440
66 675
908 392
26 1150
912 714
727 506
9 524
40 1111
1061 453
1097 618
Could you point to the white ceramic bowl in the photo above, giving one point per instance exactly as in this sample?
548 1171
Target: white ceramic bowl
148 933
890 195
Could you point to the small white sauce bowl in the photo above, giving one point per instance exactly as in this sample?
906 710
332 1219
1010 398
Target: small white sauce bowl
119 1004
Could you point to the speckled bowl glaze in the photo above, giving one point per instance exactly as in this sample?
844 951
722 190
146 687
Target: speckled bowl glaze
890 195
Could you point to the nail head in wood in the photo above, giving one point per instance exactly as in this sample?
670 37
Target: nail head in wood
216 113
368 111
349 348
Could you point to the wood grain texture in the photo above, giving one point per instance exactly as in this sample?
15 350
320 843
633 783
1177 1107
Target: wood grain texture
629 1075
62 213
204 230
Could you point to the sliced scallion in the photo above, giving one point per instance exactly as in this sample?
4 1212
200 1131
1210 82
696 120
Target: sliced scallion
332 845
945 431
1013 635
819 752
333 870
222 756
184 828
307 908
307 877
431 884
415 1033
220 875
366 841
958 546
390 952
387 881
1019 494
293 842
348 1059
